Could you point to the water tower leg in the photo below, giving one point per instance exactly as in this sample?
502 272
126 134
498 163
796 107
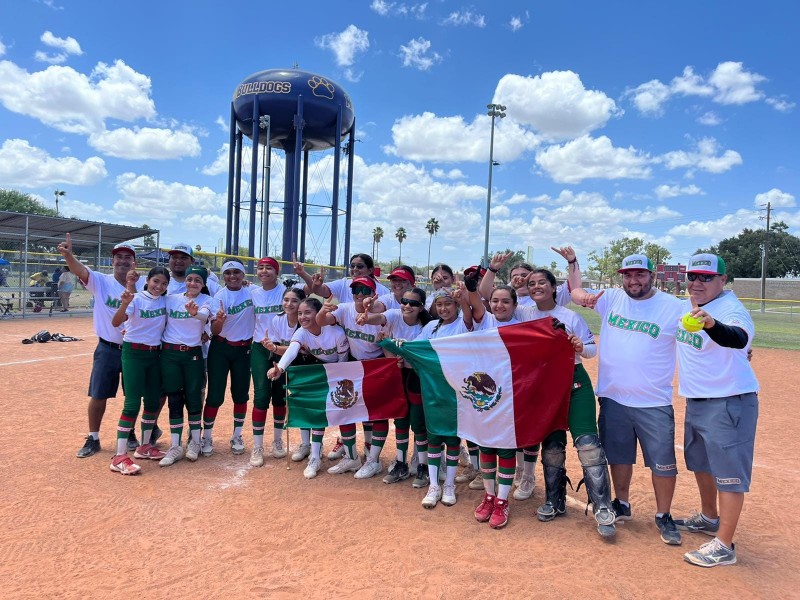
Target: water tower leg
337 157
349 199
237 199
251 238
231 166
304 208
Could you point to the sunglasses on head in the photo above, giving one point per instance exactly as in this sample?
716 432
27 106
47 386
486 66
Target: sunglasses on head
411 303
361 289
358 266
701 276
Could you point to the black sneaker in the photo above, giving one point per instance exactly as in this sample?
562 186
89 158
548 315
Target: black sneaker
133 443
669 532
90 446
397 472
155 435
622 512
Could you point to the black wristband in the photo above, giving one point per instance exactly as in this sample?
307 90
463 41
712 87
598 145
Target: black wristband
493 270
572 262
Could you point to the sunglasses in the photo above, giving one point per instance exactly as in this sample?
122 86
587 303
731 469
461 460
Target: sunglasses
361 289
701 276
411 303
361 266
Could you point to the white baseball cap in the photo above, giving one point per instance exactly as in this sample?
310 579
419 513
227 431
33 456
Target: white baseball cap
707 264
182 247
123 248
636 261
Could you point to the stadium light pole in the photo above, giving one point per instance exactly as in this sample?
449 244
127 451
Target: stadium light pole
496 111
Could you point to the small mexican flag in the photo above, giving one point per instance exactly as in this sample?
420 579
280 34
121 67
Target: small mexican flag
501 388
341 393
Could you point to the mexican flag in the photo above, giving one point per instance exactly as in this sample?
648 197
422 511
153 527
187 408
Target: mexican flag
341 393
502 388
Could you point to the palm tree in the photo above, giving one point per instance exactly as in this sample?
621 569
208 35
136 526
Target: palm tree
433 228
377 236
400 234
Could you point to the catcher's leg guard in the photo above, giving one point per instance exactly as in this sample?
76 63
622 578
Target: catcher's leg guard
554 457
598 484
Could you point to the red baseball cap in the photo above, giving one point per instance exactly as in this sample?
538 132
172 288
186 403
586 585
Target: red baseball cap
474 269
402 274
363 281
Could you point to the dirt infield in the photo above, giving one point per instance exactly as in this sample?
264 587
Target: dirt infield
219 527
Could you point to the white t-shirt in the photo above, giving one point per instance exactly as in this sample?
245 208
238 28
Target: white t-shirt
341 289
266 304
147 317
329 346
363 339
396 328
708 370
490 322
575 324
107 292
280 332
240 322
455 328
389 301
525 301
637 354
182 328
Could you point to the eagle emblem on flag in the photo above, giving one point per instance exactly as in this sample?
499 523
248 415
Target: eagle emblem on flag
480 389
345 395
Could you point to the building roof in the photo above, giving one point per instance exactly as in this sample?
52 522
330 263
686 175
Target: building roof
42 229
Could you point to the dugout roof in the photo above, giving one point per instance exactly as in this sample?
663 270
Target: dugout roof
40 229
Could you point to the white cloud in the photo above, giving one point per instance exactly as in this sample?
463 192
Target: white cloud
735 85
673 191
709 118
27 166
2 48
555 103
345 45
416 54
52 59
781 104
205 222
145 143
777 198
704 158
451 174
428 137
381 7
650 97
465 17
690 84
83 210
515 23
587 157
145 196
222 124
220 164
718 229
69 44
73 102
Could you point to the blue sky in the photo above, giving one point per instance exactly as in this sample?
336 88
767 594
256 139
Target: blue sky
669 121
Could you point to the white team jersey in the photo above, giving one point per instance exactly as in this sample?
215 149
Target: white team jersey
329 346
490 322
280 332
708 370
526 301
341 289
575 324
637 355
363 339
397 328
182 328
389 301
107 292
455 328
266 304
147 316
179 287
240 322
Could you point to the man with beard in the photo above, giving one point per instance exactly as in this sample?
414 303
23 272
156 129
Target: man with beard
181 257
634 385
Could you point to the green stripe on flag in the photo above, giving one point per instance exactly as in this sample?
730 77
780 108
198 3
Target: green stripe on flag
307 390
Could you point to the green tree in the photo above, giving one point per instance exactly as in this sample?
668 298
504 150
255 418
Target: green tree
432 227
400 234
15 201
742 253
377 236
149 240
608 261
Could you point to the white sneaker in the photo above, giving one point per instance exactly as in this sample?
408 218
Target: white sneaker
476 483
467 474
518 471
278 451
432 497
312 468
337 452
257 456
207 446
192 450
463 456
448 495
525 489
237 445
173 455
302 451
370 469
345 465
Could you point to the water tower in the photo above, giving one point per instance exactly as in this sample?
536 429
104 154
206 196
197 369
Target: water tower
297 112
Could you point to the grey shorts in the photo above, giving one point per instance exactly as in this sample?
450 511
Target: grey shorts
719 434
106 370
654 427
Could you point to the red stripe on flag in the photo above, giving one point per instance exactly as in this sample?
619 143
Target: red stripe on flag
542 374
383 389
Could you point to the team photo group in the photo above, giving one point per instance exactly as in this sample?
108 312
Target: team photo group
179 336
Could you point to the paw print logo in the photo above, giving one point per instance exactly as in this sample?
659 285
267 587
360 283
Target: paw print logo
321 87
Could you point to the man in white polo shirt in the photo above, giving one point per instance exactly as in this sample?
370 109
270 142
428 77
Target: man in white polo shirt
107 362
634 385
181 257
721 407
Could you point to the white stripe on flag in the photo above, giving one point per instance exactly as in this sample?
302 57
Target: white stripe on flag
354 371
482 352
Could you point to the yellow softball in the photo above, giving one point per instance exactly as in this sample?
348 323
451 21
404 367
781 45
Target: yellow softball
691 323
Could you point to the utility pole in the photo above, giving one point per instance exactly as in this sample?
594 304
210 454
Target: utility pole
764 256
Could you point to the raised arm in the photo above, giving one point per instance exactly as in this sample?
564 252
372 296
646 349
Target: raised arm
300 271
325 315
574 280
76 266
487 283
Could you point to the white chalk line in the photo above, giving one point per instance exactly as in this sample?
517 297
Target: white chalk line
36 360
